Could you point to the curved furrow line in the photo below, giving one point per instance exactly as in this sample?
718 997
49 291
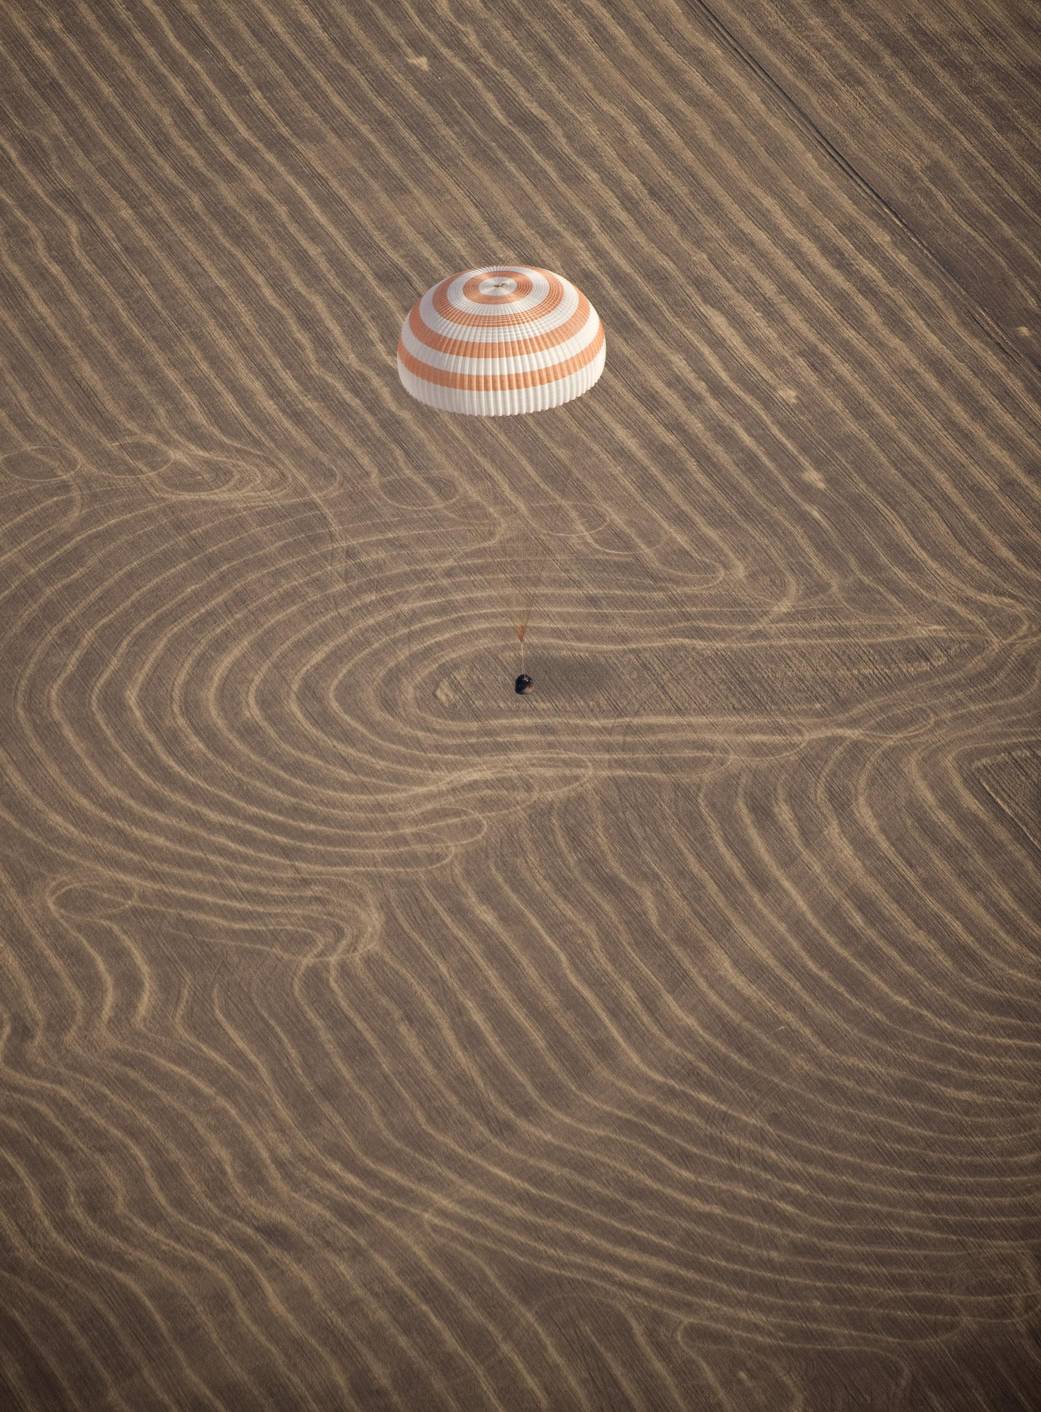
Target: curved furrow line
945 1066
504 1359
1002 885
964 724
112 1270
853 809
950 837
780 1046
371 1035
838 901
177 1247
1015 170
605 1193
879 67
663 1132
20 554
604 1200
70 667
248 1197
254 279
359 309
115 661
805 1095
34 972
939 890
923 329
31 1379
124 1253
56 715
165 73
97 352
372 1196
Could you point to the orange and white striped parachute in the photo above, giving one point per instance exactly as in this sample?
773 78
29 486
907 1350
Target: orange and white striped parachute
501 339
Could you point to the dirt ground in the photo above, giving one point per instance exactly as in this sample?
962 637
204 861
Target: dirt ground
372 1036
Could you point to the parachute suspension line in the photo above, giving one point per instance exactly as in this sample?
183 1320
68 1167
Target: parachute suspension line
525 608
547 556
527 603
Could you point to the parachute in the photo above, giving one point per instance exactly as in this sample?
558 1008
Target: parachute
497 341
500 340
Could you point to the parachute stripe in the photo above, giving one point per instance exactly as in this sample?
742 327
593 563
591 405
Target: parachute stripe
544 296
504 401
488 382
497 329
577 330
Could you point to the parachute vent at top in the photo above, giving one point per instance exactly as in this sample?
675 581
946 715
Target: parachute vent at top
500 340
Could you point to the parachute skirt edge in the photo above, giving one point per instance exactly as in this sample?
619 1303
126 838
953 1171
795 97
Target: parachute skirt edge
504 402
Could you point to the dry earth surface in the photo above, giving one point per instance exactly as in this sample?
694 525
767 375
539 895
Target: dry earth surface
373 1037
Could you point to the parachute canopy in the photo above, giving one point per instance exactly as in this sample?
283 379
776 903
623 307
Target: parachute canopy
501 339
